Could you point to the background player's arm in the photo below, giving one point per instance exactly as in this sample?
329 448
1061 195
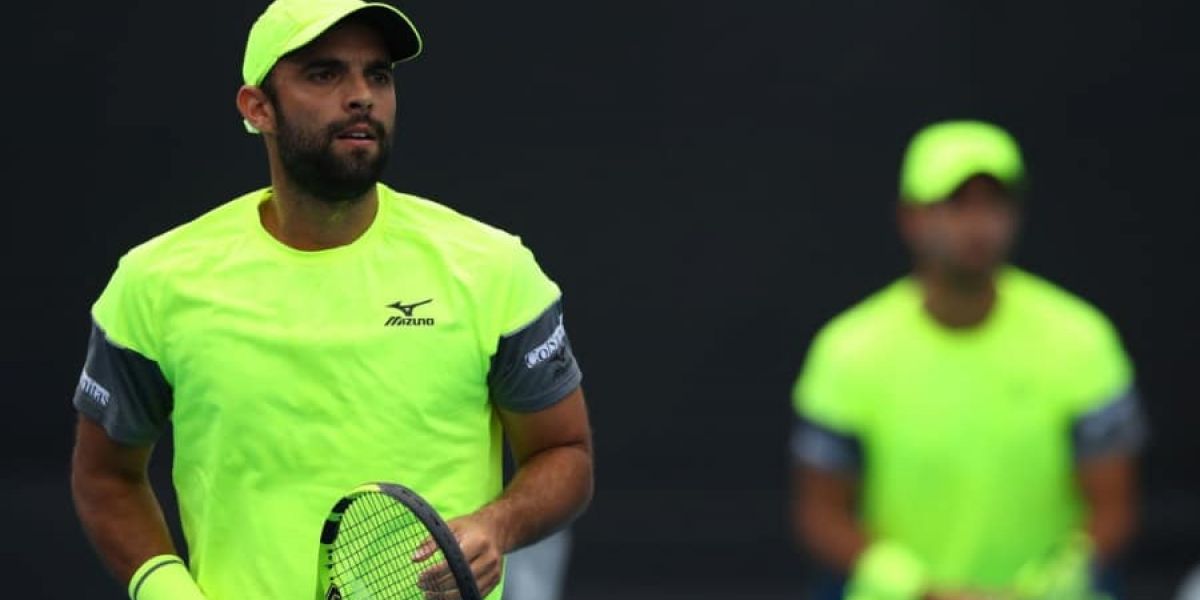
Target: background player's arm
824 517
115 502
1106 440
1109 490
552 485
825 520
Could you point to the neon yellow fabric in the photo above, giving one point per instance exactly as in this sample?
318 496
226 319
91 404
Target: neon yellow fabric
290 387
966 435
887 571
942 156
163 577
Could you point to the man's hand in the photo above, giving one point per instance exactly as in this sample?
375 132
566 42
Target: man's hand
553 483
479 539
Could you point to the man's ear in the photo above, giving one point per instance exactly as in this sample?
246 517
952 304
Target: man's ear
256 108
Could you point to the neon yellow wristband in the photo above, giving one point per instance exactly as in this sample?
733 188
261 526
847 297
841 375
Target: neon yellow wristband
1063 572
887 571
163 577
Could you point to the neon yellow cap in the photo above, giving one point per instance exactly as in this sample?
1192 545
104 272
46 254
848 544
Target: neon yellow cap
942 156
287 25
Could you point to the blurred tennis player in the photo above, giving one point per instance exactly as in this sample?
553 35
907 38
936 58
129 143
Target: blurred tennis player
969 431
320 333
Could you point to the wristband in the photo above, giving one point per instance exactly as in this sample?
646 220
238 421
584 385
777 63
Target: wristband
163 577
887 571
1064 572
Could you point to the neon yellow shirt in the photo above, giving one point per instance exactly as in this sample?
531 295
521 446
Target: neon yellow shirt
966 437
296 376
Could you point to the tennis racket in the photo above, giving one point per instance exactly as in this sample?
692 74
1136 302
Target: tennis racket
369 542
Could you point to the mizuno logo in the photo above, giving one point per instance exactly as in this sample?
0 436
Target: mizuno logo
407 309
408 320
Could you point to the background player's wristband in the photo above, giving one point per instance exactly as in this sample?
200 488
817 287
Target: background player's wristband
1066 571
163 577
887 571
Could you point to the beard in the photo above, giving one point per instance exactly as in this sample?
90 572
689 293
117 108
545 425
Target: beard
309 159
966 269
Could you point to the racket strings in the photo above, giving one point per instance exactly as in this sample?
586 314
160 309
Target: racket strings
372 557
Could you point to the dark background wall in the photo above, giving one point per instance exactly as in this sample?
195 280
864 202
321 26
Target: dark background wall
708 181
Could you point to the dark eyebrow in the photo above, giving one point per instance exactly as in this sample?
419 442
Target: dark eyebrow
324 63
379 65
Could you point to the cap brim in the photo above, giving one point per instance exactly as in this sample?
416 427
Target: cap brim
399 33
949 183
401 36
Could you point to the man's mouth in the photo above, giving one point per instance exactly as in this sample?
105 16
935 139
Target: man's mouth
358 132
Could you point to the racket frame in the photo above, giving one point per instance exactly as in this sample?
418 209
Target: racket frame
437 528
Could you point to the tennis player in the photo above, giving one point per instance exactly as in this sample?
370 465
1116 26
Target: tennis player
320 333
970 430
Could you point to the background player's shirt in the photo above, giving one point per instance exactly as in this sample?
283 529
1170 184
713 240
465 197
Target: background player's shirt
290 377
966 442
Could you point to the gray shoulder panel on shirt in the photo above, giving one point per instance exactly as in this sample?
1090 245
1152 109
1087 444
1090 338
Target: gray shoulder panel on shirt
1117 427
815 445
123 391
534 368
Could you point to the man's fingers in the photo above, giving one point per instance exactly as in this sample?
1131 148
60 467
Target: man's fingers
425 550
436 578
486 568
437 583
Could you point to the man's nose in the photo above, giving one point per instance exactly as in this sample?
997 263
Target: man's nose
358 97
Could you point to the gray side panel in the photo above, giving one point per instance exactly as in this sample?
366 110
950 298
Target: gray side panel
534 368
123 391
815 445
1117 427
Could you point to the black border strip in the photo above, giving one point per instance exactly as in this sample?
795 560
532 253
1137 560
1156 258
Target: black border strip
137 588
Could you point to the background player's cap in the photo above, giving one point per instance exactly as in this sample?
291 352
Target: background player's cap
942 156
287 25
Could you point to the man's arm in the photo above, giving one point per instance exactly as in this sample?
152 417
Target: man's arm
552 486
115 502
1109 489
823 516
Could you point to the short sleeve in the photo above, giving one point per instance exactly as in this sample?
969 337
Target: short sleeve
1115 428
826 391
122 386
827 403
1101 370
123 391
126 311
1105 408
526 293
533 366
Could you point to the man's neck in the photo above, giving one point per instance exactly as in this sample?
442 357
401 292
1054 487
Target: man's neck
955 303
304 222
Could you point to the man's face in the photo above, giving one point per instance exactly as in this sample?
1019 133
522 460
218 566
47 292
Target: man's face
966 237
335 106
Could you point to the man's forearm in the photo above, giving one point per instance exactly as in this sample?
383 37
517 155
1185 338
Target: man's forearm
1109 532
549 490
824 517
122 518
1110 493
